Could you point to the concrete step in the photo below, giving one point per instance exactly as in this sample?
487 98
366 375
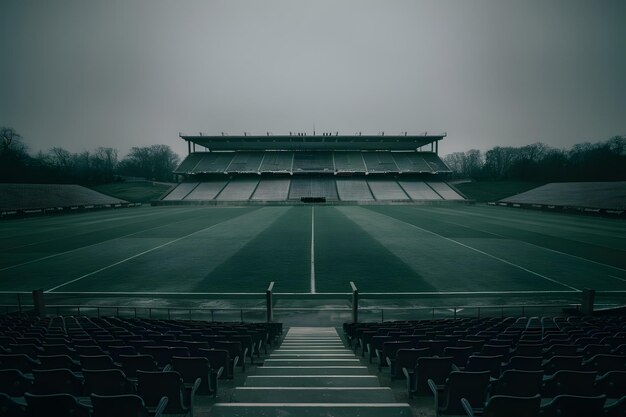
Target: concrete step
312 355
312 370
313 395
312 381
310 410
310 351
311 362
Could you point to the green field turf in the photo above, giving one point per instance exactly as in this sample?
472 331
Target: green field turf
486 191
458 249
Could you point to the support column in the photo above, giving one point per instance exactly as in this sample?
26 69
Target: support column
586 305
188 147
355 303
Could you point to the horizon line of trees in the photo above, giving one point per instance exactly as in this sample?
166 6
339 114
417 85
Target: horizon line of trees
102 165
600 161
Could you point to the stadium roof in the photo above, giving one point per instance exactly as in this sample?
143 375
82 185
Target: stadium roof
317 142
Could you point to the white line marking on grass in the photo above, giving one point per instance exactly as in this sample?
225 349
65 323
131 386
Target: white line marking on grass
132 257
43 258
533 244
312 250
486 254
621 279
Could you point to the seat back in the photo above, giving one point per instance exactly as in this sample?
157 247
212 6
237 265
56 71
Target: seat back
118 405
10 408
56 381
435 368
485 363
19 361
459 355
191 368
217 358
57 405
517 383
525 363
612 384
106 382
562 363
469 385
96 362
603 363
133 363
574 406
152 386
510 406
570 383
14 383
57 362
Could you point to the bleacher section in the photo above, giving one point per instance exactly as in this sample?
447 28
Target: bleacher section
349 161
300 162
245 162
277 162
213 162
272 190
44 197
583 195
313 162
419 190
444 190
350 189
206 190
387 190
181 191
238 189
380 162
313 187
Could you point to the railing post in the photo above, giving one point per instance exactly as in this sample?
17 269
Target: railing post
355 303
39 304
586 305
269 315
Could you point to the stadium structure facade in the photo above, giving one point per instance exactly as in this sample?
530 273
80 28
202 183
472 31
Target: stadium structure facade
300 168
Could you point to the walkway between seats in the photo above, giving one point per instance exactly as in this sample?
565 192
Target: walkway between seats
312 374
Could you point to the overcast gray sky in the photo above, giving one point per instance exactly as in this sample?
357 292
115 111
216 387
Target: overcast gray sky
81 74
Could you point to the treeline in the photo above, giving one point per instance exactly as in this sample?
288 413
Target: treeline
602 161
58 165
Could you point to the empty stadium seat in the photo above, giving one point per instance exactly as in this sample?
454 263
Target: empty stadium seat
506 406
128 405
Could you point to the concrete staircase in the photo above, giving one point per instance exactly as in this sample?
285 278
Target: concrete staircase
312 374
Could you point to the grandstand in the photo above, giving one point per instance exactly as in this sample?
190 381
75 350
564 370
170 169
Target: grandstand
18 199
608 197
292 169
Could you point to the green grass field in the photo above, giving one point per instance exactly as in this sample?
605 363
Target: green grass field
457 249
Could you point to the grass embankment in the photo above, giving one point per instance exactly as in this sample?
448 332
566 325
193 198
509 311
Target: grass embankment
485 191
135 192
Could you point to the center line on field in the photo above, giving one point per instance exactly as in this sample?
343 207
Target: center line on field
312 250
621 279
132 257
486 254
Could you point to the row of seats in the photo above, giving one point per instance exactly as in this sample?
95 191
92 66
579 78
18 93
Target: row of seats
93 365
496 366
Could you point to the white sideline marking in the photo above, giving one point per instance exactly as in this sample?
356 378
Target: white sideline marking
132 257
538 246
621 279
312 250
486 254
43 258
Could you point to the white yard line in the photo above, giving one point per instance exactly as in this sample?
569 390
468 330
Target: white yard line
486 254
132 257
312 250
43 258
621 279
538 246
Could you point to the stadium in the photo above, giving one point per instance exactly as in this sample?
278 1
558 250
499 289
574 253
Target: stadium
324 275
312 208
